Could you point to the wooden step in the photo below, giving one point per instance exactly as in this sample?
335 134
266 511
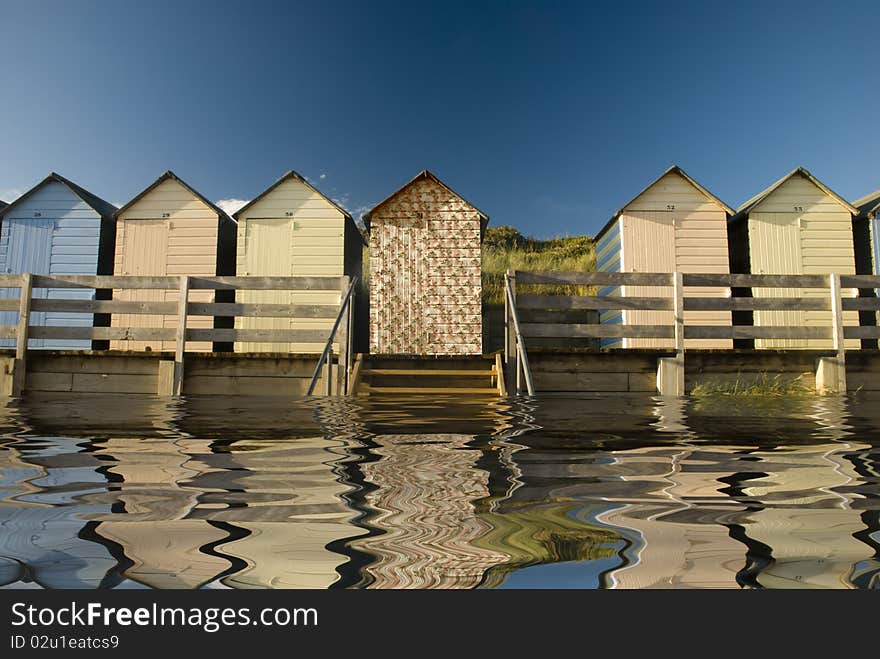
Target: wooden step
429 372
427 390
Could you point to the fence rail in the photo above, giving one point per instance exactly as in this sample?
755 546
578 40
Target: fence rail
26 304
548 314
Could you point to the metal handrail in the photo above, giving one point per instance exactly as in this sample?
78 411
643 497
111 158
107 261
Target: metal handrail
522 359
327 354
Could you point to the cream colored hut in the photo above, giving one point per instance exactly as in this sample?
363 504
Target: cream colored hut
170 229
292 229
425 271
673 225
797 226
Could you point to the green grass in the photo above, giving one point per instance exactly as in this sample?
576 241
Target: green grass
766 386
504 247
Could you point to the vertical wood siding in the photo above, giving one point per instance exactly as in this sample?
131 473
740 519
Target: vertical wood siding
183 243
63 240
291 231
425 289
816 240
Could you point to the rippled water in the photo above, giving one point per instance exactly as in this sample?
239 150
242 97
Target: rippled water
588 492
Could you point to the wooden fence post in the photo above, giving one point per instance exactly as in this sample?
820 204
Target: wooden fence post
19 373
344 337
180 346
670 372
511 355
831 374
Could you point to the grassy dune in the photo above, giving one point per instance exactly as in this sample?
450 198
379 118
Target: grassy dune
504 247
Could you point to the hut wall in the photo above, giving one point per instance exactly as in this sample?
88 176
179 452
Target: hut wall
425 268
167 232
800 229
52 232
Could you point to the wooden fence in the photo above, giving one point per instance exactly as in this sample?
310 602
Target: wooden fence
831 299
224 313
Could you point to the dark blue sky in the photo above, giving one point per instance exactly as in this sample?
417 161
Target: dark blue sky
548 116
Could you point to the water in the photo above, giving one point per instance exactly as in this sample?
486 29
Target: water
586 492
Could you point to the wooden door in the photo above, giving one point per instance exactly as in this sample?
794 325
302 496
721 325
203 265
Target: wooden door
29 249
145 247
775 246
267 254
656 230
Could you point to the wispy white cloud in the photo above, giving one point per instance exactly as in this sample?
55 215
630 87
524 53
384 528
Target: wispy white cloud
322 176
10 194
231 205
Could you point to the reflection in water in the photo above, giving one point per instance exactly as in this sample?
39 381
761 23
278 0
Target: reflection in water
588 492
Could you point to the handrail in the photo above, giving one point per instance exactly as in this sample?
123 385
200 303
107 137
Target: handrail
522 359
327 354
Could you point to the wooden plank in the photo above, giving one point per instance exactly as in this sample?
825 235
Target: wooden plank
246 386
249 310
257 335
268 283
78 362
105 306
755 281
867 332
10 281
594 278
609 302
9 304
430 390
19 375
678 321
355 380
171 282
861 303
165 384
748 332
755 303
860 281
112 333
581 381
49 381
8 331
434 372
101 281
596 331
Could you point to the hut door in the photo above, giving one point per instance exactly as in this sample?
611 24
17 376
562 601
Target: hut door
408 322
776 250
267 254
144 254
29 250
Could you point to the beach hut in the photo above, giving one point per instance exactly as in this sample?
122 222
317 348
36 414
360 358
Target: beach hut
868 234
170 229
796 226
425 270
673 225
56 228
292 229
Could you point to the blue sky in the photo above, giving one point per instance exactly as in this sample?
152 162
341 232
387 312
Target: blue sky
548 116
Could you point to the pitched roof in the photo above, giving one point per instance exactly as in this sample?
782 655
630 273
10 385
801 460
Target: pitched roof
286 177
800 171
3 205
103 208
424 174
869 205
169 175
674 169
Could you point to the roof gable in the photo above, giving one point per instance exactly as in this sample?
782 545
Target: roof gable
291 175
104 209
869 205
421 176
674 169
171 176
748 206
